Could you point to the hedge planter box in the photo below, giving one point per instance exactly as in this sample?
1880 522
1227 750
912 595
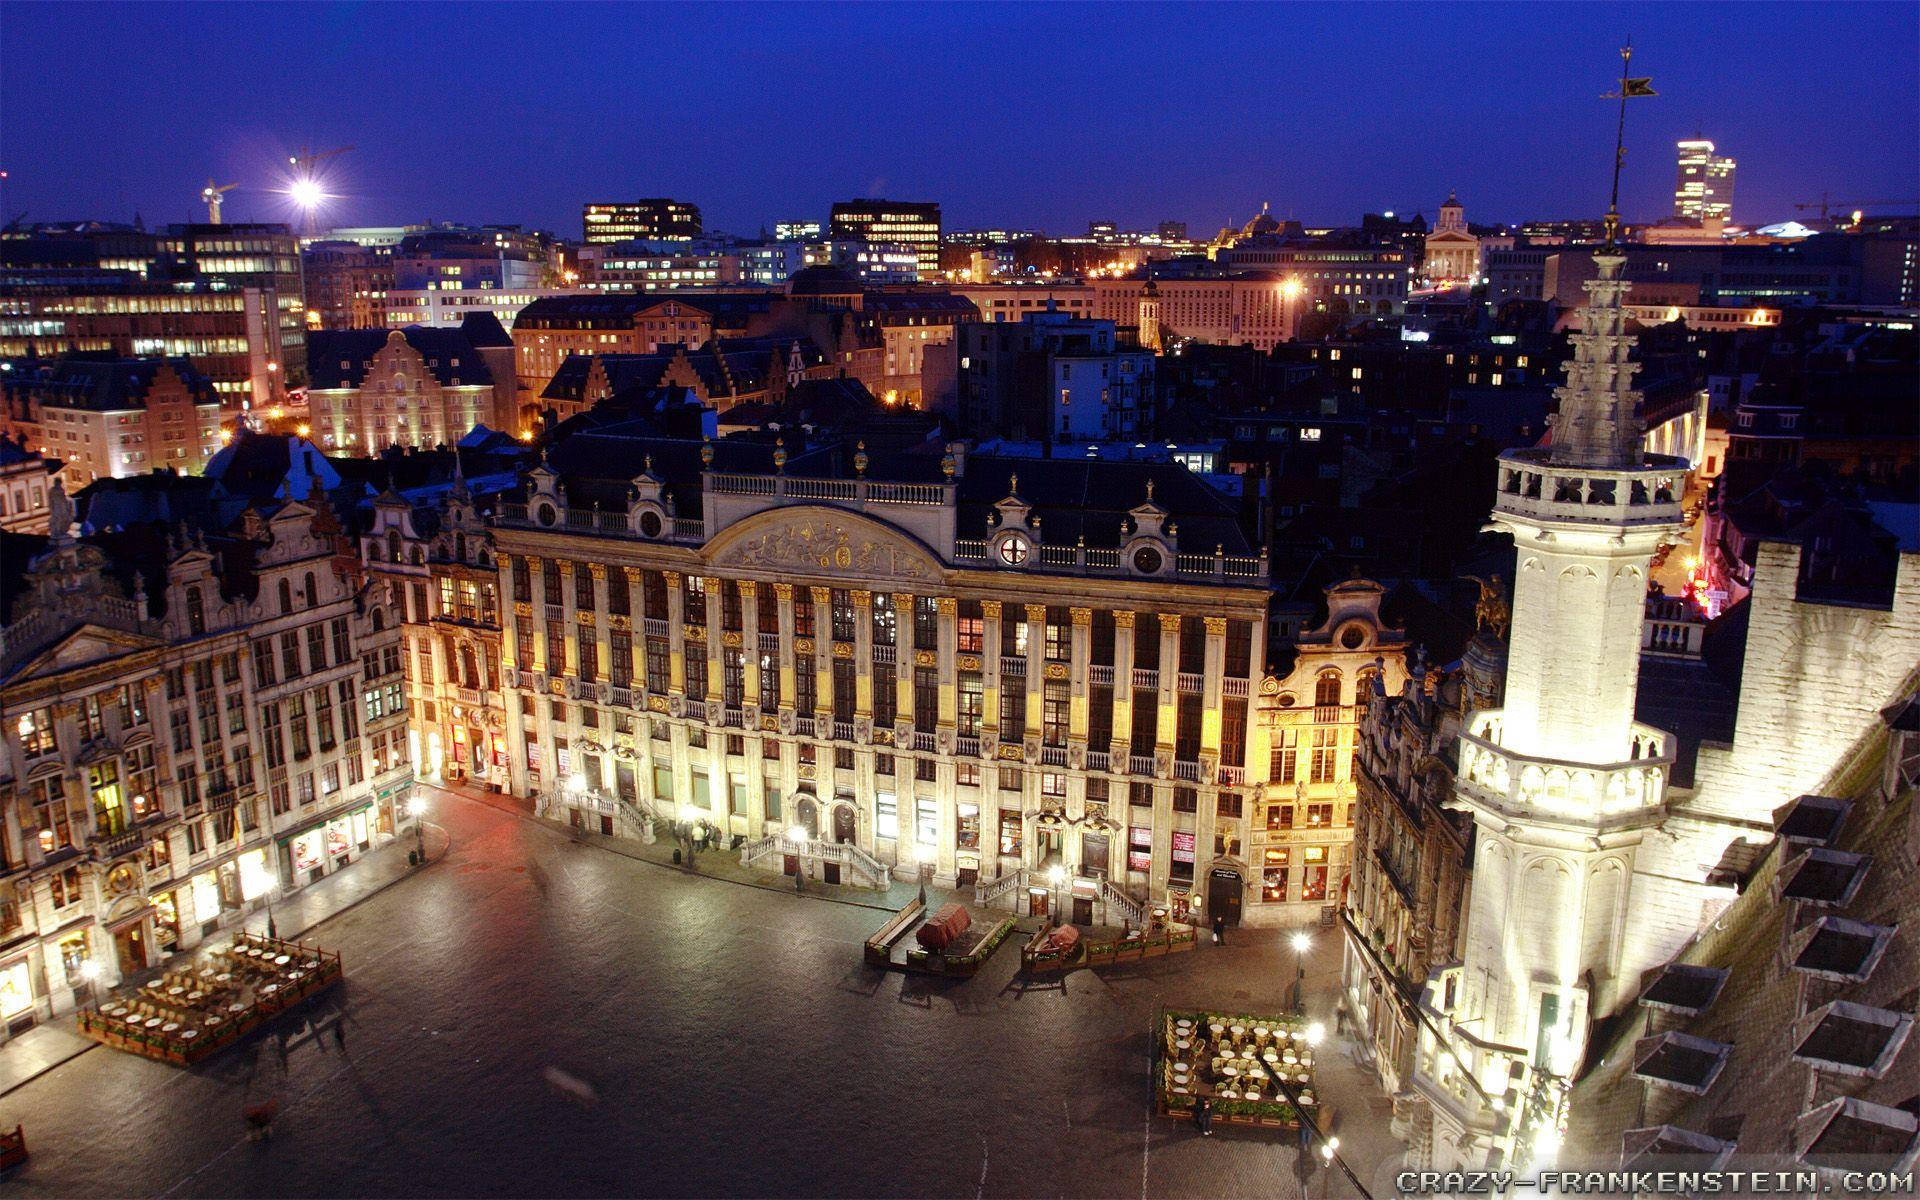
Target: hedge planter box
1087 952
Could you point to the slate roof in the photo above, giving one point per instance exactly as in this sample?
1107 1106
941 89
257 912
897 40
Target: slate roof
1078 497
339 358
106 383
1767 1008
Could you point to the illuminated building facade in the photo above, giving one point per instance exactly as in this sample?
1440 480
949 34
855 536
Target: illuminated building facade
913 224
418 386
347 284
1309 719
1703 190
656 219
25 477
436 563
1452 252
109 418
989 675
188 719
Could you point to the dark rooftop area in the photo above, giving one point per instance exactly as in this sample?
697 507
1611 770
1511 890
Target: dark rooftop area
1680 1060
1682 988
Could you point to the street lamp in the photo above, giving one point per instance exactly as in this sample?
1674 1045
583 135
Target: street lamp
273 933
1300 943
1056 875
797 837
1327 1149
417 809
1316 1033
89 971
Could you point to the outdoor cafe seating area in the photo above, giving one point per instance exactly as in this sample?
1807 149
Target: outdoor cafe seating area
197 1009
1252 1069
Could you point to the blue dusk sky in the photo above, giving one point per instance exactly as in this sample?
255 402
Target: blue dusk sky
1007 114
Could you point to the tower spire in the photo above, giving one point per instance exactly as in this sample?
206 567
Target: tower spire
1630 89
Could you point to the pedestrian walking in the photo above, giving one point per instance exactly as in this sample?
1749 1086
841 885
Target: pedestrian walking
1203 1116
1219 929
340 1033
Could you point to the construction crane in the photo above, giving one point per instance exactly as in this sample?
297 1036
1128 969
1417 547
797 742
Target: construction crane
1824 204
211 197
305 188
308 158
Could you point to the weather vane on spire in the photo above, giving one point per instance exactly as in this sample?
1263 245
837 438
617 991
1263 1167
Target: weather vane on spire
1630 89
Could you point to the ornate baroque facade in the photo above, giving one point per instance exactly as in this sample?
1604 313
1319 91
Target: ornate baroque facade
172 755
909 672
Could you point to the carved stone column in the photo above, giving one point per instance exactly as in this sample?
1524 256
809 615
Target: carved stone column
1169 679
823 662
990 672
676 636
716 608
750 653
1122 689
863 655
1078 678
783 601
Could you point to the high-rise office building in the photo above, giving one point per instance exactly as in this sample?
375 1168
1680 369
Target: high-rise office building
903 222
1704 189
657 220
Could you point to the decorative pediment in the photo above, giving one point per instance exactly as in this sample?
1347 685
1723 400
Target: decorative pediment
823 541
87 644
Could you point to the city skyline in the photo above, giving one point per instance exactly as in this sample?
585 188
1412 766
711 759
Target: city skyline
1009 134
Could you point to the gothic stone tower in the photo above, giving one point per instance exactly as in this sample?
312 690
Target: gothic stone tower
1561 781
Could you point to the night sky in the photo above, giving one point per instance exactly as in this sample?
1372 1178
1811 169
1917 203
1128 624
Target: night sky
1027 116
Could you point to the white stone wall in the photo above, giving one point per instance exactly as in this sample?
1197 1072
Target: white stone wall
1816 676
1571 674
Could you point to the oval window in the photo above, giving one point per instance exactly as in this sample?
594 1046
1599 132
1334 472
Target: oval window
1147 560
545 515
650 524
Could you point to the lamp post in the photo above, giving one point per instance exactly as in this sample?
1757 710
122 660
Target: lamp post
417 809
89 971
273 932
1056 875
1327 1150
1300 943
796 837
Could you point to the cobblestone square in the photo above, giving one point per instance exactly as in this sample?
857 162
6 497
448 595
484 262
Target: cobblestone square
533 1015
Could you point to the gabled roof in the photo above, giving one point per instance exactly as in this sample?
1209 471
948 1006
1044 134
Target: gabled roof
108 383
339 358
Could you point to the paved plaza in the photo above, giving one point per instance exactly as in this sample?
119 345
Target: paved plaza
533 1015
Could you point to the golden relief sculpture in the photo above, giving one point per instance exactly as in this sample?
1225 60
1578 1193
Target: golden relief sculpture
1056 670
843 649
969 662
1082 616
926 658
825 544
733 638
990 609
597 570
1123 619
803 645
522 608
586 617
695 633
619 621
783 592
1216 625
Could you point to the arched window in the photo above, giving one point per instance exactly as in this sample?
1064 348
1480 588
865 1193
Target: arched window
196 612
313 593
460 547
379 619
286 596
1326 690
469 669
393 545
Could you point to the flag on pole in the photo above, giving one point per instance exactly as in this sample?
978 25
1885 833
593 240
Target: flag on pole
1639 87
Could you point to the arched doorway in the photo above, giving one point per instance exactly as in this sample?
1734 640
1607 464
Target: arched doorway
843 823
806 814
1224 888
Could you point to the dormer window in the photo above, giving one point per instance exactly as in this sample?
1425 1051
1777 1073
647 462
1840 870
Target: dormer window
1013 551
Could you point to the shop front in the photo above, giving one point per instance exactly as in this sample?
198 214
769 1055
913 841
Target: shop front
18 1010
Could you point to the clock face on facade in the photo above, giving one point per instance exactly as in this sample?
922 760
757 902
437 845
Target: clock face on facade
1146 560
1013 551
